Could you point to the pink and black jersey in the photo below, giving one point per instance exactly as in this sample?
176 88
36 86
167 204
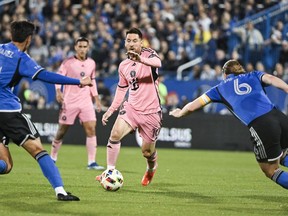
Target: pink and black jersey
73 67
142 81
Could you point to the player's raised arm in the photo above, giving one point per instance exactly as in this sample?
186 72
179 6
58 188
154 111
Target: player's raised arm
55 78
153 60
275 81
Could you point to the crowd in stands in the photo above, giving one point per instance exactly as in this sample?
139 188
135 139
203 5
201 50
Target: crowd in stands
179 30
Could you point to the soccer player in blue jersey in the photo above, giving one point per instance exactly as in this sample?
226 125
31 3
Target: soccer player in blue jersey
244 95
15 63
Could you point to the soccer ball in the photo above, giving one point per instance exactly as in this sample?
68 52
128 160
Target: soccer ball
112 180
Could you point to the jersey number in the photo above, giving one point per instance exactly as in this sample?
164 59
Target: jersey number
242 89
134 84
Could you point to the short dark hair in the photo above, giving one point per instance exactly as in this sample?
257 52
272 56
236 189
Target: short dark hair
20 30
135 31
81 39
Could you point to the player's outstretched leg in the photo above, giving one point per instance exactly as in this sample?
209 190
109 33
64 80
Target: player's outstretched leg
51 172
6 162
151 169
113 150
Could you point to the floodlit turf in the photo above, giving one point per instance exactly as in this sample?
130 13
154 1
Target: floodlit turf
187 182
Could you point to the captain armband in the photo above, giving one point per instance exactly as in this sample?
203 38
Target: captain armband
204 99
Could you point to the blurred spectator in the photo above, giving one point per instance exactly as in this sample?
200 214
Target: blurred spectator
23 87
27 97
41 103
163 92
276 40
170 63
201 39
252 42
249 67
260 66
104 94
196 72
218 72
279 72
283 59
210 55
38 51
172 100
208 73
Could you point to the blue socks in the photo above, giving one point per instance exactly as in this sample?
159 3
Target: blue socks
49 169
284 161
281 178
3 166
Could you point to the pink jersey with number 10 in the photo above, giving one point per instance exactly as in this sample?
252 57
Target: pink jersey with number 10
142 81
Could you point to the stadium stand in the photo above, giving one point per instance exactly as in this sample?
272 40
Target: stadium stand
179 30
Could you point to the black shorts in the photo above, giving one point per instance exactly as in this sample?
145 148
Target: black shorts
269 134
17 127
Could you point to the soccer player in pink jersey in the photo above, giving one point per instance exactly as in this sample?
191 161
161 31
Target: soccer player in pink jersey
142 110
78 102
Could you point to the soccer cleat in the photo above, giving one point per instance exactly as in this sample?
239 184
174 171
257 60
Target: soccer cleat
95 166
68 197
98 178
147 178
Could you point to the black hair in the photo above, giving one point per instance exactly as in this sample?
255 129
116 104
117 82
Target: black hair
135 31
81 39
20 30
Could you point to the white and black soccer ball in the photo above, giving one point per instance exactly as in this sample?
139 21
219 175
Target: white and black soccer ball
112 179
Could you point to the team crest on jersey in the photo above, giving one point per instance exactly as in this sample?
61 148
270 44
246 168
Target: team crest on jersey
82 74
133 73
152 56
122 112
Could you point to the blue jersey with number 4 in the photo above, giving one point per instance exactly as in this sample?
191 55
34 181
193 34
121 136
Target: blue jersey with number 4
244 96
14 64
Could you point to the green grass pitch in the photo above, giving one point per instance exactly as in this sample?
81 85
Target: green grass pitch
187 182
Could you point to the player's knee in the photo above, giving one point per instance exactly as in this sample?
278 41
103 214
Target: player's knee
90 131
146 153
268 172
5 167
9 168
115 134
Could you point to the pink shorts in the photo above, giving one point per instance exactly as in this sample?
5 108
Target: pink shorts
68 114
148 125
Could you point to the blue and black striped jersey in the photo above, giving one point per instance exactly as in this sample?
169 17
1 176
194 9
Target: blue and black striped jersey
14 64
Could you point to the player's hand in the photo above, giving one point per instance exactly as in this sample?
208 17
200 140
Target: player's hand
85 81
176 113
98 106
106 116
134 56
59 97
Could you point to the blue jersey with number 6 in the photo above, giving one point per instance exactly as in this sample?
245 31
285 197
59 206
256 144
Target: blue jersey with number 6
244 95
